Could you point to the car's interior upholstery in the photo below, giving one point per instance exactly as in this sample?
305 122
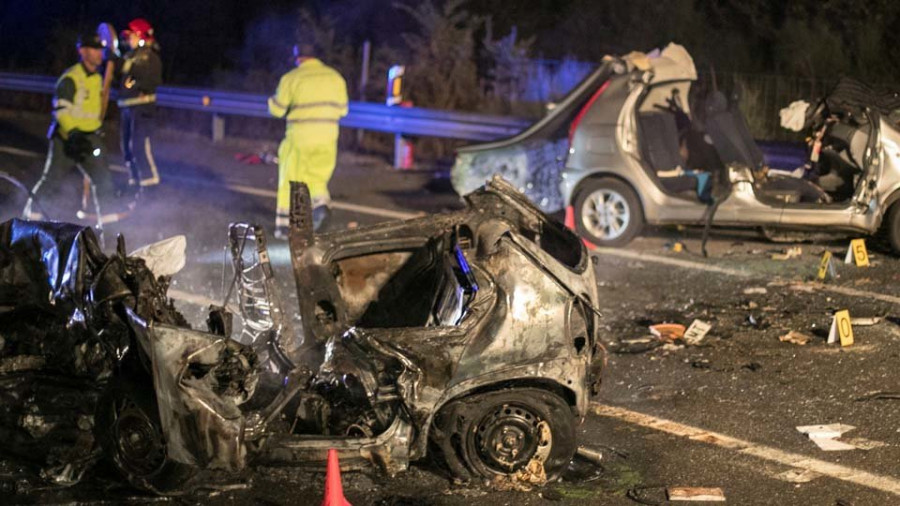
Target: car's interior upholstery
730 133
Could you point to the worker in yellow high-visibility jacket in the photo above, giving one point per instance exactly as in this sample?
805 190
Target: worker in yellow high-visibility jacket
75 133
312 98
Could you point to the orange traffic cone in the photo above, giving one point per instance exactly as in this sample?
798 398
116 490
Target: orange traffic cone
334 491
570 218
569 222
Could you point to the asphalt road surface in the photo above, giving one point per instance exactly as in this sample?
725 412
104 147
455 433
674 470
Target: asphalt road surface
722 413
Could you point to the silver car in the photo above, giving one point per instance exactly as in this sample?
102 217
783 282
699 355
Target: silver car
636 143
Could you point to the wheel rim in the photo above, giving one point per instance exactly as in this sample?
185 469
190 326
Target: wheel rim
139 447
605 214
507 438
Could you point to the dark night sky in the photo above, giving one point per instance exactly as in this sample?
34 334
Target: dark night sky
199 37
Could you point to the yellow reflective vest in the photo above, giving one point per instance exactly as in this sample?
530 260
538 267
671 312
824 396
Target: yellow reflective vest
81 110
311 97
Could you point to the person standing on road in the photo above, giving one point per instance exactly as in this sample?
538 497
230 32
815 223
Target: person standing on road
141 74
75 135
312 98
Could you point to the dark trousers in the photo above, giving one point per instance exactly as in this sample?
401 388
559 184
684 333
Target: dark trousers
136 125
94 167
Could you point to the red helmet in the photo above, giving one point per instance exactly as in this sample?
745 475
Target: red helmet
140 27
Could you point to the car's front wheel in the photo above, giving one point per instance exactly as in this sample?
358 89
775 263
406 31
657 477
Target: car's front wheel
131 435
608 212
507 432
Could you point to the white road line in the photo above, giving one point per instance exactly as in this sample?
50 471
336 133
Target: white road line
843 290
687 264
649 257
21 152
337 204
844 473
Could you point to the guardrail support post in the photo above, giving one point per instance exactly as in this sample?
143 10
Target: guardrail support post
218 127
398 151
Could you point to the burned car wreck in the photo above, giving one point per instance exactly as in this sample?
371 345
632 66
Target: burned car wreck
639 141
470 336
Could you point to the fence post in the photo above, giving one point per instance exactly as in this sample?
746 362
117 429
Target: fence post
218 127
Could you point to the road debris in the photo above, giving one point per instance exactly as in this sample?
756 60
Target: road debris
795 337
667 331
866 322
788 254
589 454
696 494
825 436
798 476
756 290
696 332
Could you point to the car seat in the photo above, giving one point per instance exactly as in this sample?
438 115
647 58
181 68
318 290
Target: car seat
659 139
730 134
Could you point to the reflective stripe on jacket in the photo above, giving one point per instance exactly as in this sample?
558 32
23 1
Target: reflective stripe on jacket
312 93
82 111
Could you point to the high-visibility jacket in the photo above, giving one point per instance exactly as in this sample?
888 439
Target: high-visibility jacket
312 98
78 103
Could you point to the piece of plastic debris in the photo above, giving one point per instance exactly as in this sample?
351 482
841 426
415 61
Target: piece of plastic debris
164 258
696 332
832 445
667 331
789 253
865 322
831 430
696 494
824 436
795 337
756 290
676 247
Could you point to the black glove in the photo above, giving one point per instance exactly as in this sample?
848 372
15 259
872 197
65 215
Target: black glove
78 146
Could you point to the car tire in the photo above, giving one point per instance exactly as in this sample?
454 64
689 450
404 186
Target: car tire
892 227
498 434
608 212
129 430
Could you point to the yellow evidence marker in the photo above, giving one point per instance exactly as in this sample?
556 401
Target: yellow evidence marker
825 266
841 329
857 251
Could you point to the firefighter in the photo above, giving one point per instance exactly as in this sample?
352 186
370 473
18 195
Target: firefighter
312 98
75 136
141 74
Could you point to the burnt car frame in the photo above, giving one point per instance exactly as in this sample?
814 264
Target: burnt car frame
470 334
611 150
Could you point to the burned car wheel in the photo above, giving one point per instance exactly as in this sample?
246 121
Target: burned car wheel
503 433
131 435
608 212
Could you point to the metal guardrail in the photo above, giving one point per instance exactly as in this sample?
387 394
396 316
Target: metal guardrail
362 115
